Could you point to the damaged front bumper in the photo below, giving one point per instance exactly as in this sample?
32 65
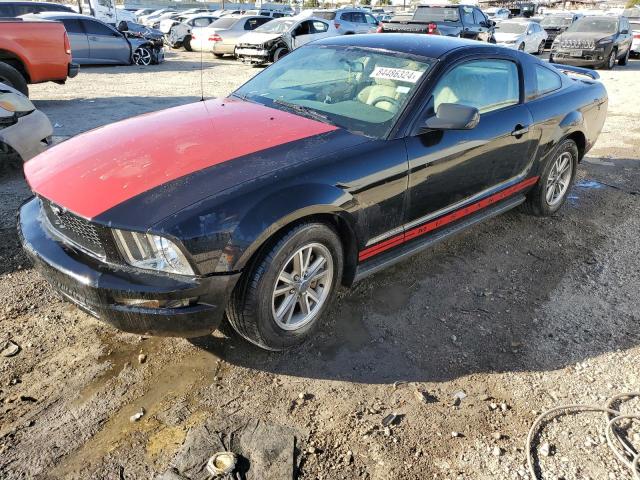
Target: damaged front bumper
131 300
252 55
29 136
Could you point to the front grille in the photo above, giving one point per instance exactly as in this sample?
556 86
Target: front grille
77 230
586 44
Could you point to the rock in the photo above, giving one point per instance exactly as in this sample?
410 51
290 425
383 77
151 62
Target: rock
497 436
497 451
493 406
390 419
456 435
312 450
348 456
545 450
504 407
9 349
137 416
484 397
423 396
142 358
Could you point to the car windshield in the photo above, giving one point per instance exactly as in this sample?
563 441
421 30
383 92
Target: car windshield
223 23
553 21
276 26
506 27
361 90
606 25
436 14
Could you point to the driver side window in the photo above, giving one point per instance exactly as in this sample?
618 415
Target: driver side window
303 29
484 84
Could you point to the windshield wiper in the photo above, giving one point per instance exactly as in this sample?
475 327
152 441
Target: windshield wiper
304 111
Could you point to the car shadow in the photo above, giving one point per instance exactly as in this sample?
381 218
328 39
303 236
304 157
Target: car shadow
507 295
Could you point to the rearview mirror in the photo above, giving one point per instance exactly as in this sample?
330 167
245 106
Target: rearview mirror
451 116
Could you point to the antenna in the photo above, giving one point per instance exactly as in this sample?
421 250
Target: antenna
201 75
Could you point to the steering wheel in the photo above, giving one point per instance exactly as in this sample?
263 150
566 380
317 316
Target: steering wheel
390 100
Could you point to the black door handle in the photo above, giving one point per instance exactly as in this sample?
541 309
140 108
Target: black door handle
520 130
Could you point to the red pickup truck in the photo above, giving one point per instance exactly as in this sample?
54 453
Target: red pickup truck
33 51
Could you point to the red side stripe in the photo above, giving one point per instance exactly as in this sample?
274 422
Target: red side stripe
444 220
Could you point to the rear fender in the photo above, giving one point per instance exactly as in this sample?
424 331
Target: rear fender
279 210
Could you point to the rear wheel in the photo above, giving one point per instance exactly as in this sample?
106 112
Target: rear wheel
541 48
521 47
218 55
186 42
12 77
280 299
550 192
624 60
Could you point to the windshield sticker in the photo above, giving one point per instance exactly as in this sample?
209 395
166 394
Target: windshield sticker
396 74
402 89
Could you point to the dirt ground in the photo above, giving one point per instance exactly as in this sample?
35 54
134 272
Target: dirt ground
520 313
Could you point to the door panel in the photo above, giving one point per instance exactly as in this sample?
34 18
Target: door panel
106 45
77 39
449 166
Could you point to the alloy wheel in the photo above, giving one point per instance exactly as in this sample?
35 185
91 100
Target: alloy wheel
142 56
612 59
521 47
541 48
302 286
559 179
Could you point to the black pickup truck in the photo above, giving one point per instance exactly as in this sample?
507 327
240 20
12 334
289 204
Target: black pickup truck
465 21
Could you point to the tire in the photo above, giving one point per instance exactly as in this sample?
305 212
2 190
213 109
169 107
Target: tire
279 53
624 60
254 305
12 77
143 56
611 60
540 48
186 42
551 60
538 200
218 55
521 47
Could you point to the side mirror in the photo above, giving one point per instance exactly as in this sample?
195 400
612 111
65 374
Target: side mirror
122 26
451 116
624 32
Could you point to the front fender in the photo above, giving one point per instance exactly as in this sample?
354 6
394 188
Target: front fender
274 212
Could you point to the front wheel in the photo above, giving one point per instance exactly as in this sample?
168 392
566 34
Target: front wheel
218 55
521 47
611 60
280 299
279 53
550 192
142 56
186 42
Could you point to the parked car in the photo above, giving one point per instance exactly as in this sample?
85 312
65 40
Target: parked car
155 23
346 20
143 11
556 24
95 42
145 19
524 35
24 61
221 36
346 156
284 11
274 40
634 23
15 9
498 13
464 21
594 41
24 131
179 34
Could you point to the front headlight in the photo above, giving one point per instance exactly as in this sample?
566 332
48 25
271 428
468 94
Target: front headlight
151 252
15 102
605 41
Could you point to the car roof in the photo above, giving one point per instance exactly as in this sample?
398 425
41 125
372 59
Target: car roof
432 46
65 15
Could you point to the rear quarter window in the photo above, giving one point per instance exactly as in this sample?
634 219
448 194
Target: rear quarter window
6 10
547 81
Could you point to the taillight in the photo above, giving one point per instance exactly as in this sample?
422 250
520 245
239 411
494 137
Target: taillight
432 28
636 35
215 38
67 45
379 29
337 25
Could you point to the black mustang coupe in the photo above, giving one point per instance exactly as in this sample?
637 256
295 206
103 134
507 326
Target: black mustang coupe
344 157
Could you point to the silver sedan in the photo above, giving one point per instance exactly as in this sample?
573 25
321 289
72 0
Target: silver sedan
221 36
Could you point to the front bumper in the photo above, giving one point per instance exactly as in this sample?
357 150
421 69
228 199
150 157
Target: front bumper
252 55
29 136
105 291
587 57
508 45
635 46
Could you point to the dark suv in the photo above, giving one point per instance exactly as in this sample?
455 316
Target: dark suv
556 24
594 42
464 21
15 9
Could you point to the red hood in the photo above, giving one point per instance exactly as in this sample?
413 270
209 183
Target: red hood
97 170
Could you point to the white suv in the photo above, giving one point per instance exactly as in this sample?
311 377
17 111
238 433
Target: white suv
347 20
